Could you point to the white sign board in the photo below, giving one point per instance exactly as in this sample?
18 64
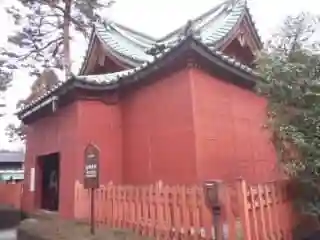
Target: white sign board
32 180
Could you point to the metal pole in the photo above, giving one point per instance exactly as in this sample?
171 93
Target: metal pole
216 223
92 220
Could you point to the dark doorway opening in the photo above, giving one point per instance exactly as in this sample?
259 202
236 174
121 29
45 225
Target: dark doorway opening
50 174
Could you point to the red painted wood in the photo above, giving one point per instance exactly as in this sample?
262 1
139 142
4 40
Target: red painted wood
187 216
169 211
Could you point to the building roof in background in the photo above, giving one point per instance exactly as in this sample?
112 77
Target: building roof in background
11 156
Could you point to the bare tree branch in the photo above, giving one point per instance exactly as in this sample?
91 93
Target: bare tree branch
39 49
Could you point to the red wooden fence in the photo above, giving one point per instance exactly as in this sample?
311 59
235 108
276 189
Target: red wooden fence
265 210
179 212
10 194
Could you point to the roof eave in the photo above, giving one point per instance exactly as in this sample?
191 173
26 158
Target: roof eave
186 44
217 59
143 35
180 29
254 29
88 52
81 83
58 90
204 51
94 35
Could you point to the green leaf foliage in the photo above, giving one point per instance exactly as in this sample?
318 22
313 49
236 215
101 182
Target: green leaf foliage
290 69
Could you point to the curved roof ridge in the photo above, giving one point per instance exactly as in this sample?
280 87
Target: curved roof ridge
112 77
212 34
224 5
209 12
134 32
131 38
127 49
251 20
87 51
105 77
132 47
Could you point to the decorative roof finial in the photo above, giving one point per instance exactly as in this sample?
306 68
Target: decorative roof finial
97 18
231 4
188 28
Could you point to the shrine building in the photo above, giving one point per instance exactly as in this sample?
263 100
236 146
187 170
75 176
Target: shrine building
181 109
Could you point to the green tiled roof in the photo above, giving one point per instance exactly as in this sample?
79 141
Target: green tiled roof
120 45
131 47
111 78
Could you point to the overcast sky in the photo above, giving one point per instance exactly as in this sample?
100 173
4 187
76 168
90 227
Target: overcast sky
156 18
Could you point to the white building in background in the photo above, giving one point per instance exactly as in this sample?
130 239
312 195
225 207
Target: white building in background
11 165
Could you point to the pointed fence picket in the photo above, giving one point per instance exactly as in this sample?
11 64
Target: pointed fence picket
179 212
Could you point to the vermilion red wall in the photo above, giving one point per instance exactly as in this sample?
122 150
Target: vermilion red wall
68 131
190 127
184 128
10 194
230 138
158 134
101 124
56 133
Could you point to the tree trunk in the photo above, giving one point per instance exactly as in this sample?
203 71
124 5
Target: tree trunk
66 38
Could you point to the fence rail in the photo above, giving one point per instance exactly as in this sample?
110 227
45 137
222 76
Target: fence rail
267 211
179 212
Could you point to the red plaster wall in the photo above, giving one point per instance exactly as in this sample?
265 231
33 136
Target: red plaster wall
56 133
10 194
68 132
230 139
158 136
184 128
101 124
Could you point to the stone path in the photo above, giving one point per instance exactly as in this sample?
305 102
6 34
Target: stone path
8 234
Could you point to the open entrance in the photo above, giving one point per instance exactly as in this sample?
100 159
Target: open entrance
50 174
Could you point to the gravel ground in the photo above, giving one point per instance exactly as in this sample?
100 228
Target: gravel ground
53 228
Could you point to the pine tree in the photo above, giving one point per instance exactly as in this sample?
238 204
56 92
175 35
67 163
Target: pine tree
290 68
43 36
43 39
5 80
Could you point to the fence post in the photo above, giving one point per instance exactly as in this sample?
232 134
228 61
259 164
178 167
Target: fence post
212 194
243 208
